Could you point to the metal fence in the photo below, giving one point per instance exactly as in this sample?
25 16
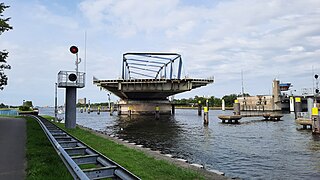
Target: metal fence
71 79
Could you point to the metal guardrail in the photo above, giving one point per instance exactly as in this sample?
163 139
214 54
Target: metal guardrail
73 152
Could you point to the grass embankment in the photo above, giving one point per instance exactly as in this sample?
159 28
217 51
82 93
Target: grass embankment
137 162
42 160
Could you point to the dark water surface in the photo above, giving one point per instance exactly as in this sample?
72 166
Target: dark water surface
253 149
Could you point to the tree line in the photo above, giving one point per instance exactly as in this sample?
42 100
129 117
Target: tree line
213 101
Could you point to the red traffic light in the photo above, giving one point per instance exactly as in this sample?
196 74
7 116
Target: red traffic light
74 49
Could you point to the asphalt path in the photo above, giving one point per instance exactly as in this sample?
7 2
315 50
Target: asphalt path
12 148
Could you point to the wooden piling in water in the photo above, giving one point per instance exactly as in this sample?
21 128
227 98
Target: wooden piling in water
199 108
205 115
157 113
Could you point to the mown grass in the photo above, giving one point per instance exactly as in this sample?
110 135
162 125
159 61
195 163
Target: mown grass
135 161
43 161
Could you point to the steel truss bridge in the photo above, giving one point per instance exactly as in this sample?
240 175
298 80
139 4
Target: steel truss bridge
151 66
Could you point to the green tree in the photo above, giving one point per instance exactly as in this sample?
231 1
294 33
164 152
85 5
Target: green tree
4 26
229 99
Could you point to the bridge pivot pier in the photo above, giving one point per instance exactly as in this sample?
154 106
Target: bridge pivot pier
144 107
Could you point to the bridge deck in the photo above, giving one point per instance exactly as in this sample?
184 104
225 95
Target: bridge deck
146 89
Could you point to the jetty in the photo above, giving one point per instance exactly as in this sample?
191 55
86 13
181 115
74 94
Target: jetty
305 122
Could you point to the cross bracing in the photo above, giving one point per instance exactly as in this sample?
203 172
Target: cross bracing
151 65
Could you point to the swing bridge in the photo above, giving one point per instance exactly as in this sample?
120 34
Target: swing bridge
147 80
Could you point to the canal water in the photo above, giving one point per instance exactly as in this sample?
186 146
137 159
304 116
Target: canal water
253 149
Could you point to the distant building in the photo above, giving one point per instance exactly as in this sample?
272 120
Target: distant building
263 102
82 101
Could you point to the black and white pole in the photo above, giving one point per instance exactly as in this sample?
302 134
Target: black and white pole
71 95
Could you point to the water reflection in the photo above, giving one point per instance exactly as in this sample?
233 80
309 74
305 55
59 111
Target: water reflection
153 133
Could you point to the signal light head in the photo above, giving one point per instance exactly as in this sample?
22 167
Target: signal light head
72 77
74 49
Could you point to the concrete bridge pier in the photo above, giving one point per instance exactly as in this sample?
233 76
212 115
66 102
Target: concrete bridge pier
173 109
144 107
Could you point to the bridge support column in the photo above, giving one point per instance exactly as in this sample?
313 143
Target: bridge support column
70 111
144 107
172 109
236 107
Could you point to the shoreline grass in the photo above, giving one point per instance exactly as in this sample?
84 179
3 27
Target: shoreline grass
43 161
135 161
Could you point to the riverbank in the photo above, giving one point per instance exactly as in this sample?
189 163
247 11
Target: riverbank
143 162
43 161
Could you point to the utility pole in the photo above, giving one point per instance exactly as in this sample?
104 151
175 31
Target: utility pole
56 103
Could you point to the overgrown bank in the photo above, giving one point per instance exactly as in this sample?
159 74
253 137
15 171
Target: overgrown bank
42 160
137 162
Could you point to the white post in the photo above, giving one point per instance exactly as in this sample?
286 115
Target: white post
223 105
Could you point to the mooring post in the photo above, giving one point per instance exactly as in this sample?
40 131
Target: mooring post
291 104
297 107
157 114
236 107
315 121
199 108
223 104
129 111
310 106
172 109
206 113
111 110
99 109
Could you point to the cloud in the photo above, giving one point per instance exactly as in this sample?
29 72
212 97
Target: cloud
264 39
42 13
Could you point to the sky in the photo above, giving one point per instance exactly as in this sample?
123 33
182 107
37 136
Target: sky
263 39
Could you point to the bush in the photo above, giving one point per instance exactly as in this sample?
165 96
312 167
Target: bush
24 108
